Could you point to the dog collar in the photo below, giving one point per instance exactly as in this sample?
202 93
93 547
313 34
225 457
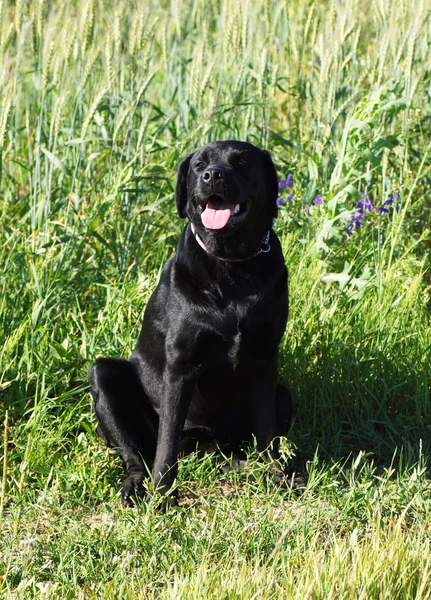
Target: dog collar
263 248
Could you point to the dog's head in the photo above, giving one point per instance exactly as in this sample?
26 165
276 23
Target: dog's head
224 185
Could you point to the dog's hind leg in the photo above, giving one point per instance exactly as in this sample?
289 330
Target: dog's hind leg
126 418
283 408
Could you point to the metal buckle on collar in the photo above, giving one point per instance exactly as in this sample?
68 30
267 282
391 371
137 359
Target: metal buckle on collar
265 246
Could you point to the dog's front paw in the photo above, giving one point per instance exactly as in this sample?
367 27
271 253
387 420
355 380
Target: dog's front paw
289 479
132 488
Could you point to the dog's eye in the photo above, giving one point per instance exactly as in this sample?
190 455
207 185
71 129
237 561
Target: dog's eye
199 165
238 162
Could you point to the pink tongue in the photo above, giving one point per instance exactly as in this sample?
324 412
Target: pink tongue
217 214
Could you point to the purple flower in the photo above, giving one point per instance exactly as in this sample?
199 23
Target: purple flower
306 210
389 202
290 197
364 204
357 219
280 201
286 183
318 200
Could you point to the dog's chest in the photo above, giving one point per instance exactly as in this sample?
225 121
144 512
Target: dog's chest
234 352
243 325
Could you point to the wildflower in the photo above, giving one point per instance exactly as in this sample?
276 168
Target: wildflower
286 183
318 200
357 218
364 204
280 201
389 202
306 210
356 222
290 197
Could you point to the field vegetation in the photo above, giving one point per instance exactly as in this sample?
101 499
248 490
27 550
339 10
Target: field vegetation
99 101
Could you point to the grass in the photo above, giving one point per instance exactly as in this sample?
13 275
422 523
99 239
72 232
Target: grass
99 102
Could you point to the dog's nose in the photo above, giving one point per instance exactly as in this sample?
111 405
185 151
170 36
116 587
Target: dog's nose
212 175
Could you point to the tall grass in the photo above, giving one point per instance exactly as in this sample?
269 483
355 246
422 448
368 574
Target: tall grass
99 101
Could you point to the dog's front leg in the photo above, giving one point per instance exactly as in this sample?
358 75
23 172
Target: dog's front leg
173 410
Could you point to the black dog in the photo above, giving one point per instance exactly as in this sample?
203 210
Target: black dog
205 365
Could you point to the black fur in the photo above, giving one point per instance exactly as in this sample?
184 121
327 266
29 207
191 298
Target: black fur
205 365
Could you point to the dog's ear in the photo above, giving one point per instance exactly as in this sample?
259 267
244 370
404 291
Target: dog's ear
181 187
271 183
